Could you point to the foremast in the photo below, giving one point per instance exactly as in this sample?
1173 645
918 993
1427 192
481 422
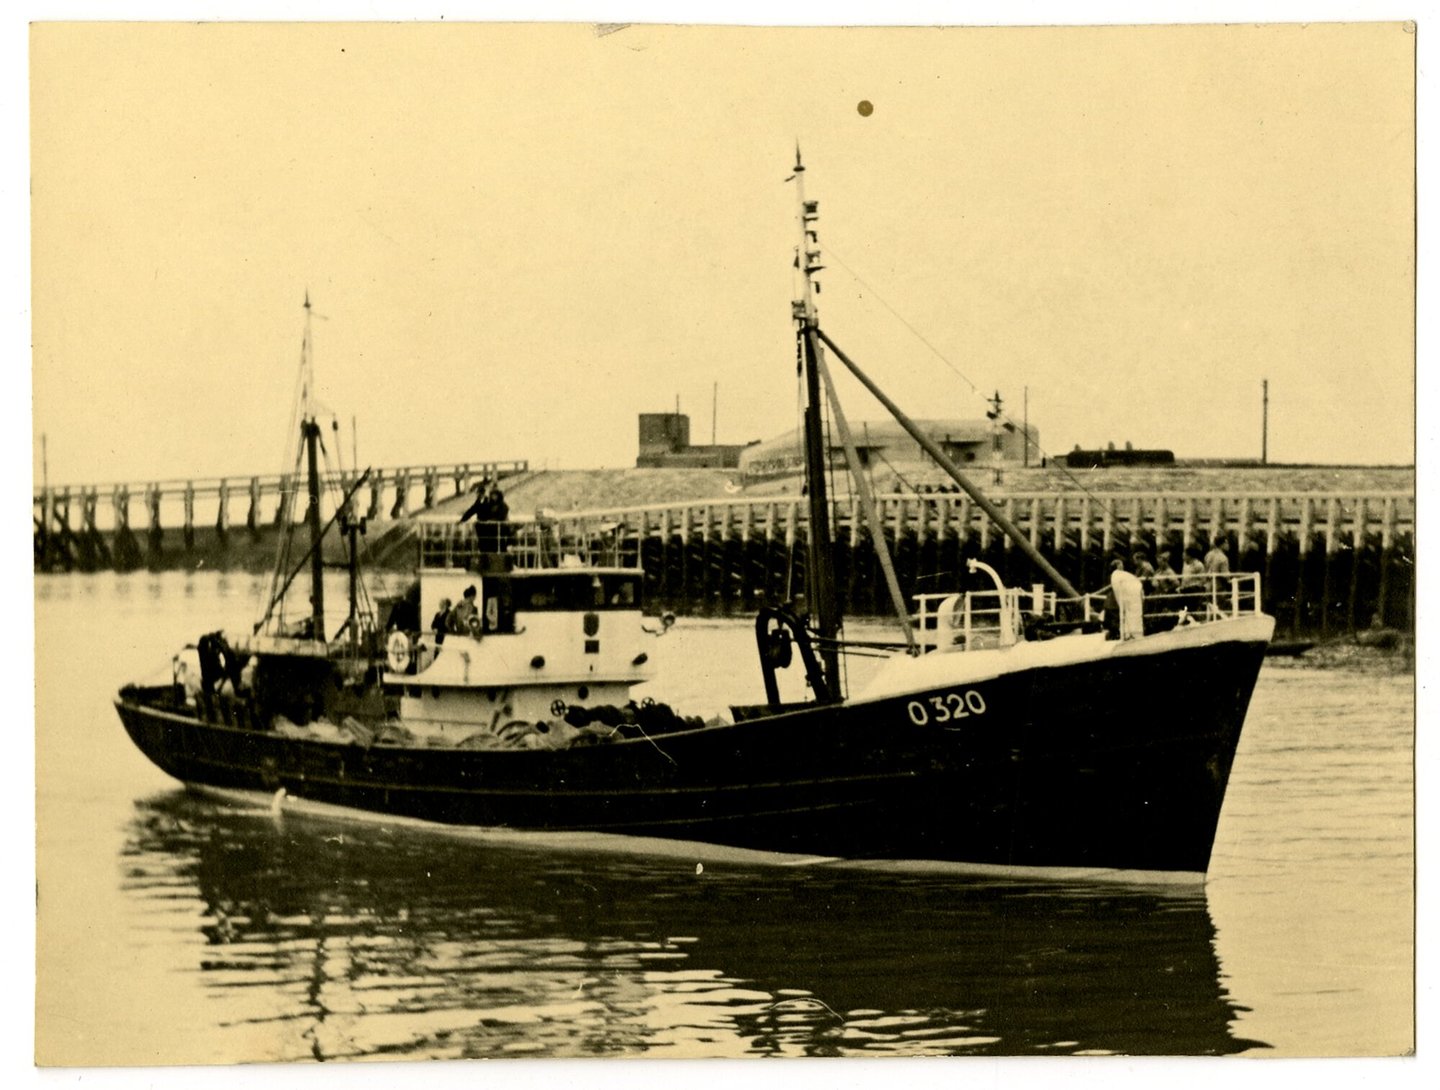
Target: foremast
819 559
813 341
304 424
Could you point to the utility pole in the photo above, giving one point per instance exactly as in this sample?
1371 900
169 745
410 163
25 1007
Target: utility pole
1026 425
714 410
1264 421
995 425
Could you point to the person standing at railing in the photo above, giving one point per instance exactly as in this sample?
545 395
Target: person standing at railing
1141 566
1164 580
1216 565
440 624
500 517
1162 602
465 617
1129 600
1216 562
1192 574
1192 582
479 508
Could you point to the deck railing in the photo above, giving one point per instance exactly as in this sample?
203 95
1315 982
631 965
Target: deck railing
982 619
524 545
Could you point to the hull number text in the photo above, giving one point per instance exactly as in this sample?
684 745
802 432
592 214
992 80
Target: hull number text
945 707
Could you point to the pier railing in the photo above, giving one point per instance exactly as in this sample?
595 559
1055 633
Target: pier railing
71 519
1329 562
1106 520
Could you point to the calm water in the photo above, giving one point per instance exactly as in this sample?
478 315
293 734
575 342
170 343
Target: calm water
174 929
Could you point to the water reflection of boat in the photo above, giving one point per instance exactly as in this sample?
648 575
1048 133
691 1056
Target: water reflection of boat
410 943
1006 728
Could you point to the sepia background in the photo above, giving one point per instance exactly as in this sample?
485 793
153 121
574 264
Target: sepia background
581 224
521 236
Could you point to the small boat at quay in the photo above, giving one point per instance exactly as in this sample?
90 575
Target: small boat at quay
1007 728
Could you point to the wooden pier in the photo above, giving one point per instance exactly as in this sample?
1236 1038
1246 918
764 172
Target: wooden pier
1330 563
91 527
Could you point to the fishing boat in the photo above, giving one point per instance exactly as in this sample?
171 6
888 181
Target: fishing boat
1028 727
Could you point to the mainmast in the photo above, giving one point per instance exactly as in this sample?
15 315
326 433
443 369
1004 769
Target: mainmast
310 434
820 576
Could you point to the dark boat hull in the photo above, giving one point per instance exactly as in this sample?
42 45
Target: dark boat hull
1116 763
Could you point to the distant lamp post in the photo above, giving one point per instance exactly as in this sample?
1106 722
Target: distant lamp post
995 433
1264 421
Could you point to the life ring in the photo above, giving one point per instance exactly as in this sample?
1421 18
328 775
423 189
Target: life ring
398 652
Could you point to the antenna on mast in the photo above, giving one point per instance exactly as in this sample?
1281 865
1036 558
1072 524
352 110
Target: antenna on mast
307 372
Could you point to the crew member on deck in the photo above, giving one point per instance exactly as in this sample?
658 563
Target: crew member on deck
1192 581
465 617
1141 566
1216 562
1129 600
1165 581
440 624
479 508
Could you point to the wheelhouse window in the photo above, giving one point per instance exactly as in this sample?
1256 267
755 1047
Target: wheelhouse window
569 592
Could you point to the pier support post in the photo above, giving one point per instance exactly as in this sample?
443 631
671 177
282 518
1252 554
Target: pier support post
92 543
1332 514
155 532
377 495
1357 550
1303 544
401 507
62 538
1387 556
287 485
125 549
189 530
222 516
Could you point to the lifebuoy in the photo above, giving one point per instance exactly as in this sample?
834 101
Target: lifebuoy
398 652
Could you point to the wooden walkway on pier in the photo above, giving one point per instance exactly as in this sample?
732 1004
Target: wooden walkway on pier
1330 562
1049 518
90 526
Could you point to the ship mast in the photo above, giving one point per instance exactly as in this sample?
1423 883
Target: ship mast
813 338
820 576
310 433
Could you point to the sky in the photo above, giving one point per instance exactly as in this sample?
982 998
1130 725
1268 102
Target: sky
517 238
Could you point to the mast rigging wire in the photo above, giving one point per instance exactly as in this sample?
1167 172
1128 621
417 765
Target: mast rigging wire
1004 418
